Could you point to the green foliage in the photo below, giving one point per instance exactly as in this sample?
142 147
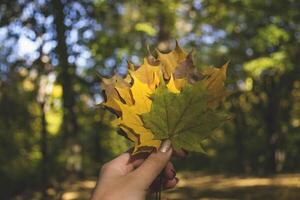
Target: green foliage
269 36
276 62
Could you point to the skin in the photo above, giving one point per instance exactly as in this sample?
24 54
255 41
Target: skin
132 179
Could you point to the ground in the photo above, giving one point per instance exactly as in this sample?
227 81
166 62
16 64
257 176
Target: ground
199 186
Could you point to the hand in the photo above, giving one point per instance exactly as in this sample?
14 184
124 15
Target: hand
125 179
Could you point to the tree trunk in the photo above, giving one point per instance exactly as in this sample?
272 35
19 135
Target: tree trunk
44 151
66 72
240 132
165 23
271 122
239 142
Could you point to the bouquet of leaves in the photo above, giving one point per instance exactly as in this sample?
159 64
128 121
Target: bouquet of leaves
167 97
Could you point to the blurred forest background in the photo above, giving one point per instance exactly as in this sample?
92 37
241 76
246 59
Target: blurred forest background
51 129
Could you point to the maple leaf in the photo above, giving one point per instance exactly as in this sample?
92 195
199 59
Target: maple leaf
183 118
130 122
166 97
140 92
116 89
187 70
147 144
133 127
175 85
214 81
169 61
148 74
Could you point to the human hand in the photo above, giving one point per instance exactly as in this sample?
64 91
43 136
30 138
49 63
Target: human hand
124 179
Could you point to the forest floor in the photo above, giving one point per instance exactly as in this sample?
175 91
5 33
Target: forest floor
196 186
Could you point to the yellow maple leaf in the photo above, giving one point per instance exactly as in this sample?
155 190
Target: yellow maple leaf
111 97
112 94
180 83
214 81
141 93
130 66
129 134
169 61
146 145
148 74
132 121
125 94
172 86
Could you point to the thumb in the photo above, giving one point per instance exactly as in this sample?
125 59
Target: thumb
153 165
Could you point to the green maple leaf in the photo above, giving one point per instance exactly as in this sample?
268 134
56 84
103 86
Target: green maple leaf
183 118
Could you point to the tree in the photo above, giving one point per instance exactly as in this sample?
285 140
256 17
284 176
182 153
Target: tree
265 33
66 71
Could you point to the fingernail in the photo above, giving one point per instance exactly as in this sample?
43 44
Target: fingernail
165 146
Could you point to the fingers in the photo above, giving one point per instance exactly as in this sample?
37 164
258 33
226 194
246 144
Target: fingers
133 164
169 171
165 184
120 166
124 163
170 183
153 165
115 167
